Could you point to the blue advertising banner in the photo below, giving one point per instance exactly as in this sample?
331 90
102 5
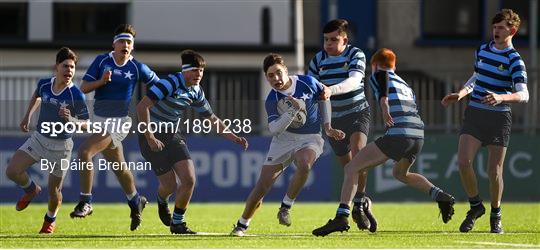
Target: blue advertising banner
224 172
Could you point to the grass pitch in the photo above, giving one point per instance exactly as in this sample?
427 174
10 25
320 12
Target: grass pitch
401 225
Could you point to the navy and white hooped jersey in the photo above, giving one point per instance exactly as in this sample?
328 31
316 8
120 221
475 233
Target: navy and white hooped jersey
174 97
402 102
71 98
303 87
113 98
332 70
496 72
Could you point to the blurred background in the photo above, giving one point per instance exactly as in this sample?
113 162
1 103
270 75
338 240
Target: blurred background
434 41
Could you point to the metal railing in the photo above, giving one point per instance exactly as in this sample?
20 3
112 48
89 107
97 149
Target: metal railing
236 94
233 94
430 91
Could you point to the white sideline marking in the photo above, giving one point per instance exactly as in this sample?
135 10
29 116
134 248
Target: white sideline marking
499 244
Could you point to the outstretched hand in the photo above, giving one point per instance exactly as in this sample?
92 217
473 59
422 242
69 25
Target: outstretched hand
155 144
450 99
388 120
492 99
25 124
335 134
326 93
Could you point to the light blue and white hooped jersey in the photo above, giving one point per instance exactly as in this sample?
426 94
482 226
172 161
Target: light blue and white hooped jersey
71 98
403 109
174 97
332 70
113 98
497 71
303 87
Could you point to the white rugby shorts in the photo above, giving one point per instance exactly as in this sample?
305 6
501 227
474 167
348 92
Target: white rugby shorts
54 150
284 146
115 132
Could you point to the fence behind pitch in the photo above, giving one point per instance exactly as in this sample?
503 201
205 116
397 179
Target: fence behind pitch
237 94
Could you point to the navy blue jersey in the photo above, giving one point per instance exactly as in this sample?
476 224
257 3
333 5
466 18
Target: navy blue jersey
496 72
402 102
71 98
306 88
113 98
174 97
332 70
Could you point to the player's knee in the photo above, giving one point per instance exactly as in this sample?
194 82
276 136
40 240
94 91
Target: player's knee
364 173
304 161
11 172
464 164
494 174
85 153
399 174
169 188
122 173
349 169
303 167
494 177
189 182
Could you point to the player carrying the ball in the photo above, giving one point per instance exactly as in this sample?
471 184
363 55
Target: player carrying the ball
294 138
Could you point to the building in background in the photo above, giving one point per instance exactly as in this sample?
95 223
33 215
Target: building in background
434 40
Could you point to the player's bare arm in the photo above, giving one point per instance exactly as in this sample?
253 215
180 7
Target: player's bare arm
221 129
326 113
456 97
143 114
34 103
385 108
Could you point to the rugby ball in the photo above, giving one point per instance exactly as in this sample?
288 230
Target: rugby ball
285 105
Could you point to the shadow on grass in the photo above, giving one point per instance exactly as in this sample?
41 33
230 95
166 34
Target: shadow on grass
127 237
111 237
451 231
